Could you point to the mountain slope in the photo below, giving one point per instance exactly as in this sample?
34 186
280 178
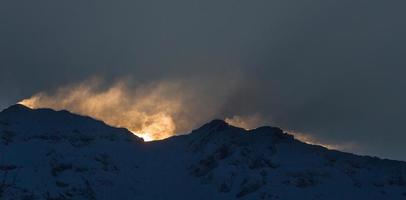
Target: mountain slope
46 154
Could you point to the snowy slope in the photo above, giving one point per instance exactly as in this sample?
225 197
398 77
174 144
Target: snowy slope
46 154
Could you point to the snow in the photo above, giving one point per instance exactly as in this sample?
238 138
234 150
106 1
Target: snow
47 154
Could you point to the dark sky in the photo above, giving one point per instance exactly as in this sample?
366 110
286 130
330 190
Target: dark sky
335 69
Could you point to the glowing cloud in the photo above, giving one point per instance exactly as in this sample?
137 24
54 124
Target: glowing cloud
148 111
246 122
152 111
310 139
254 121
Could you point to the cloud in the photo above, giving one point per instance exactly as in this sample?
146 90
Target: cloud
256 120
311 139
148 111
334 69
153 111
246 122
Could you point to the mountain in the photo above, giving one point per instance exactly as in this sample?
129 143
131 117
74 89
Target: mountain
57 155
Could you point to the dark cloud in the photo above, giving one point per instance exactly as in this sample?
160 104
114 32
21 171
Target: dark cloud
334 69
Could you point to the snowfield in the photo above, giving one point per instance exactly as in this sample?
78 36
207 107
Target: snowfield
57 155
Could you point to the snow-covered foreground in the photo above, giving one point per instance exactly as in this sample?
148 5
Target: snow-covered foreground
46 154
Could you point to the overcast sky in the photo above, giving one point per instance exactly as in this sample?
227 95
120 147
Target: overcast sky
334 69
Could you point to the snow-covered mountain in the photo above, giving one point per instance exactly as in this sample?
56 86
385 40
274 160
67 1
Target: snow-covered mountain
57 155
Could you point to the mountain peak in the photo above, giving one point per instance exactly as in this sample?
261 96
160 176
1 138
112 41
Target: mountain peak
17 108
215 125
217 122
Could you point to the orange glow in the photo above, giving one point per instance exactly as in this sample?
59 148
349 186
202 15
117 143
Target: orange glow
254 121
310 139
246 122
147 112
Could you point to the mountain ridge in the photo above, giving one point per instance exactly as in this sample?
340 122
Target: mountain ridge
47 154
